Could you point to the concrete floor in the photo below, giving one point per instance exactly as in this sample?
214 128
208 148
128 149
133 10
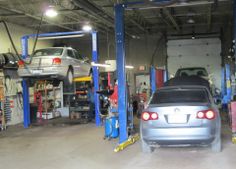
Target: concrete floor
82 147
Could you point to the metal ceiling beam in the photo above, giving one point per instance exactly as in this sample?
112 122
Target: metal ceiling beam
35 17
172 19
138 21
195 14
95 10
209 18
13 15
191 3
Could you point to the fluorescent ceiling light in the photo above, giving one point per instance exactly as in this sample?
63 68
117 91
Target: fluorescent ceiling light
51 12
87 28
129 67
100 64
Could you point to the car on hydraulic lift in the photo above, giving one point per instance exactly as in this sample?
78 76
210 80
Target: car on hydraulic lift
59 63
181 116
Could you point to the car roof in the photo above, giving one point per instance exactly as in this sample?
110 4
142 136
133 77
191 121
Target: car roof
187 81
191 68
57 48
183 87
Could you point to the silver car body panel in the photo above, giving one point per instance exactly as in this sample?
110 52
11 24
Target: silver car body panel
178 124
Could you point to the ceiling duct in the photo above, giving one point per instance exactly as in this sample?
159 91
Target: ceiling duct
162 2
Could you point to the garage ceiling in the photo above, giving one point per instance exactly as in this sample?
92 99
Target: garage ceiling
183 16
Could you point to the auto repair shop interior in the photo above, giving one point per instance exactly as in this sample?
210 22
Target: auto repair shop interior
117 84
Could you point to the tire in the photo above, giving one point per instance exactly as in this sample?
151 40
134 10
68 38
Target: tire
91 72
216 145
146 148
68 81
70 76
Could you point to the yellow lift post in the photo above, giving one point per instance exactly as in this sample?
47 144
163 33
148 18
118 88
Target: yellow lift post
234 139
83 79
131 140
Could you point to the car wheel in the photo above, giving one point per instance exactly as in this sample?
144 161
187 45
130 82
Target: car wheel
90 72
70 76
216 145
146 148
68 81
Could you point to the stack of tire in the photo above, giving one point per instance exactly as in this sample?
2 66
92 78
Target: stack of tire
8 61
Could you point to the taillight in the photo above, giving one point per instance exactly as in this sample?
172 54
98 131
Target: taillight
56 61
21 63
145 116
210 115
206 114
149 116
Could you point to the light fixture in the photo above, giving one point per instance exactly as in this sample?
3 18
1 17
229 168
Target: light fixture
87 28
129 67
51 12
100 64
191 21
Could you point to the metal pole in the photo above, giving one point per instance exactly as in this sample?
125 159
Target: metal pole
165 75
223 82
96 78
26 103
234 38
121 74
153 79
227 96
228 83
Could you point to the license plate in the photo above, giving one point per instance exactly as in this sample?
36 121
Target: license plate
177 119
36 71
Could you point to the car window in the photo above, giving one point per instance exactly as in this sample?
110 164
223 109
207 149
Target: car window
192 72
78 56
180 96
70 53
48 52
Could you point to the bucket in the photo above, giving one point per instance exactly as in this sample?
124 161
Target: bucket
111 127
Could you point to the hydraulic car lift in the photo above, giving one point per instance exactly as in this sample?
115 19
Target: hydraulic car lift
121 73
24 43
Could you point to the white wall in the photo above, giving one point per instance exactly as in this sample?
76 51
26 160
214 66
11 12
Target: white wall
5 46
17 32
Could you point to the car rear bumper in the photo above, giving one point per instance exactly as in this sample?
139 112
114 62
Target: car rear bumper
56 72
178 136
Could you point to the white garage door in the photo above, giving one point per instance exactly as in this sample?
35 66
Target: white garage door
196 53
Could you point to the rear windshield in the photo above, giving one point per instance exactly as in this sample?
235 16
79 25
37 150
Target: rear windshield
180 96
48 52
192 72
